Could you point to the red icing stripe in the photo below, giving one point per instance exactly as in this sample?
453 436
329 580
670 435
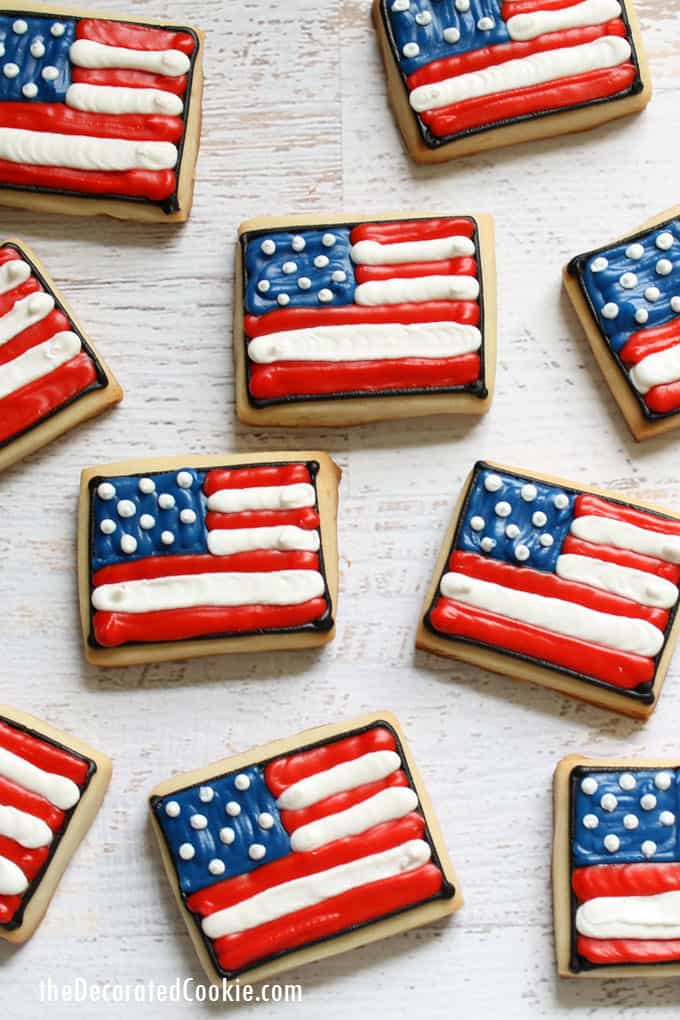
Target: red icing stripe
8 254
611 951
152 184
583 88
292 820
366 903
165 566
8 908
10 297
30 861
53 323
395 231
283 772
588 504
250 478
12 795
325 377
63 120
550 586
134 37
298 865
649 341
129 79
446 267
43 754
623 557
625 880
28 405
305 518
112 629
662 399
355 315
513 7
618 669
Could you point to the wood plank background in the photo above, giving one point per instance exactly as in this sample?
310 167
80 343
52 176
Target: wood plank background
296 120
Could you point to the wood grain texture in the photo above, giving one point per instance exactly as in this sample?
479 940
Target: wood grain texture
296 120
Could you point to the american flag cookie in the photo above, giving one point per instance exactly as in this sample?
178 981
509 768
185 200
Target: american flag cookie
98 114
469 75
339 320
627 296
616 868
51 787
181 557
303 848
570 587
51 377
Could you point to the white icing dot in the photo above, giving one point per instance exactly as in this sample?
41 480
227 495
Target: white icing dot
675 303
652 293
630 822
227 835
107 526
411 49
463 5
187 516
50 73
423 18
289 267
546 540
185 479
206 794
30 90
268 247
20 26
628 280
166 501
627 781
590 821
641 315
492 483
648 802
487 544
401 5
167 537
186 851
528 493
612 843
608 802
664 267
147 522
610 310
635 251
512 531
128 544
663 780
648 848
325 295
598 264
126 508
233 808
146 485
10 70
485 24
522 553
664 241
172 809
321 261
256 851
451 35
263 286
502 509
328 240
539 519
37 49
304 283
667 818
477 523
198 822
242 782
339 276
561 501
265 820
298 243
589 785
57 29
283 299
216 866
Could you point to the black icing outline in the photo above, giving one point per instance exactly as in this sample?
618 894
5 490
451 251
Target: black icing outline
168 205
321 625
102 380
34 884
436 142
447 891
644 693
576 269
477 388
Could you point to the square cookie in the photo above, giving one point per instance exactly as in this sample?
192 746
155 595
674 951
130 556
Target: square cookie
616 868
51 377
51 786
571 587
627 296
180 557
98 115
470 75
303 848
340 321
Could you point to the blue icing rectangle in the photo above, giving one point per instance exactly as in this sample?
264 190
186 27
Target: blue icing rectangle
427 30
221 828
307 269
625 816
516 520
34 57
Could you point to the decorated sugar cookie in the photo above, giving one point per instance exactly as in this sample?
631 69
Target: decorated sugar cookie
616 868
51 377
98 114
340 321
573 588
303 848
468 75
51 786
627 296
181 557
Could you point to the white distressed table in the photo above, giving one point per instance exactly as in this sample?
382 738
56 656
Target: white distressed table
296 119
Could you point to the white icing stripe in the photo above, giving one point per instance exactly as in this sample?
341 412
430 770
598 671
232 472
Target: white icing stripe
591 12
12 879
263 497
367 343
37 362
80 152
172 63
224 542
417 288
299 893
607 531
383 807
12 274
373 253
278 588
25 313
536 69
656 369
369 768
630 917
629 583
117 99
24 828
561 617
59 790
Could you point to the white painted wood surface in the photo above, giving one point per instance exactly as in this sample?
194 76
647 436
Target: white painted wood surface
296 120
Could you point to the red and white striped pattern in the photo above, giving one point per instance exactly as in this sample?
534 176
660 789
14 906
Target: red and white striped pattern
652 357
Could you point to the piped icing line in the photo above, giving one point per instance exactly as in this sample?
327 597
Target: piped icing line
24 313
86 53
346 775
38 362
109 99
225 542
424 288
656 370
282 588
13 274
58 790
536 69
373 253
408 314
312 889
607 531
80 152
385 806
522 27
13 882
29 405
627 582
630 917
154 185
292 496
24 828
